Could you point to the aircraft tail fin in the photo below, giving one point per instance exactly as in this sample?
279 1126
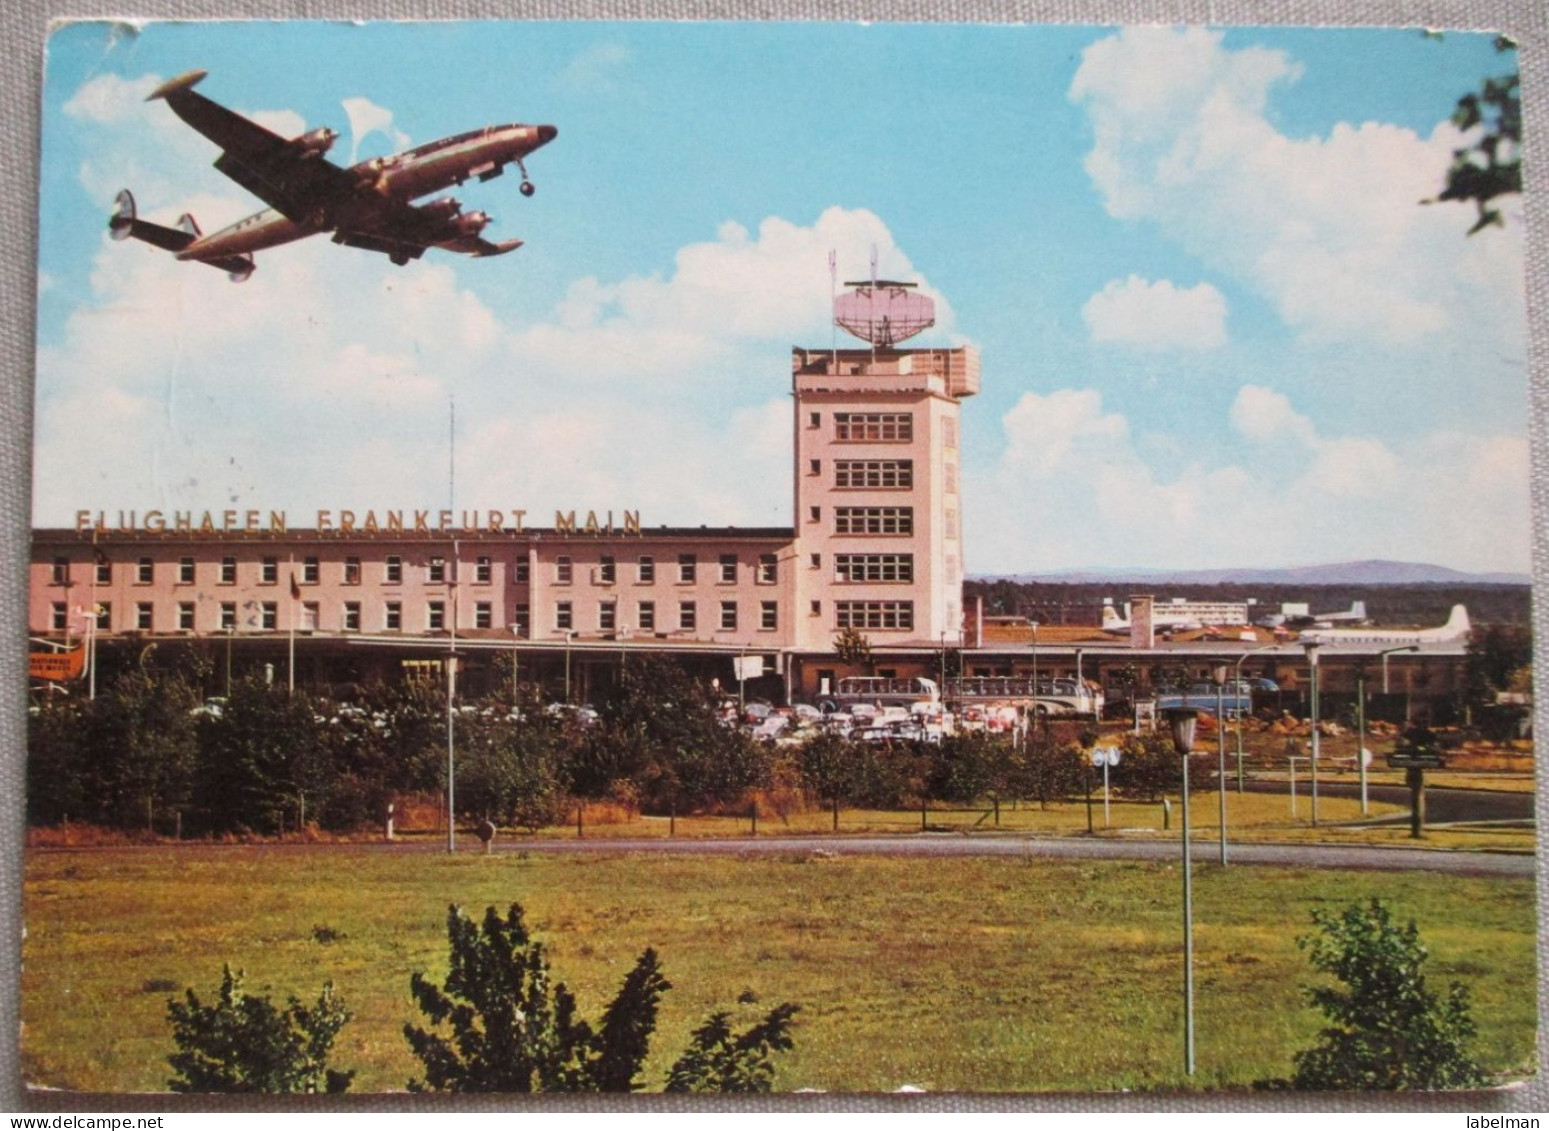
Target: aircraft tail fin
124 224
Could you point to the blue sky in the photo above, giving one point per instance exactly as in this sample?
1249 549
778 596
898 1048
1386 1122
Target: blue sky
1217 327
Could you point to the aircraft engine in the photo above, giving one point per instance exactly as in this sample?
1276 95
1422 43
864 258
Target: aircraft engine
444 208
371 174
315 143
471 224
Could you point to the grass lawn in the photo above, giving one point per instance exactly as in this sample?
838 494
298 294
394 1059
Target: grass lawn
947 974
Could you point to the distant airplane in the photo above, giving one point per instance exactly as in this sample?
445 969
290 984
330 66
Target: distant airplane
1161 620
366 206
1355 615
1457 628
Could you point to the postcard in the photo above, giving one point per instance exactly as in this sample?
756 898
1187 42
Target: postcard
779 557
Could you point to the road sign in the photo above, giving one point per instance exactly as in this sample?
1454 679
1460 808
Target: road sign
1105 755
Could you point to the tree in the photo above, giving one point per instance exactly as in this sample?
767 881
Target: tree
852 647
1491 166
514 1030
242 1043
717 1061
1388 1031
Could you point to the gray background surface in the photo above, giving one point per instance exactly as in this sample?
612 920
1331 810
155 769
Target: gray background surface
22 37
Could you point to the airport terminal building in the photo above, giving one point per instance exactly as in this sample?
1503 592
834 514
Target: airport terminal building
345 595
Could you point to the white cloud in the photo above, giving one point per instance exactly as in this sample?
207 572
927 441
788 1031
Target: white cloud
1157 316
366 118
1083 495
1329 229
596 68
1263 414
110 98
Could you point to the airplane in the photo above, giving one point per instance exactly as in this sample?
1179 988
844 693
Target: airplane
1161 619
367 205
1456 628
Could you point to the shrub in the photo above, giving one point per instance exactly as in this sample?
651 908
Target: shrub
514 1030
716 1061
243 1043
1388 1030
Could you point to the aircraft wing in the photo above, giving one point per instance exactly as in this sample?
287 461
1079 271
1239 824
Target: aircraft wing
404 231
292 178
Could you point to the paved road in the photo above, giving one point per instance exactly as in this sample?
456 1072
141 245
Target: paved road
1442 806
927 845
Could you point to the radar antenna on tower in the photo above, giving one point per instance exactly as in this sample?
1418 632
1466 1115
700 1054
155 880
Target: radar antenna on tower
883 312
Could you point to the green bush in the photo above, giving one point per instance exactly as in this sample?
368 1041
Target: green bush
515 1030
242 1043
1388 1031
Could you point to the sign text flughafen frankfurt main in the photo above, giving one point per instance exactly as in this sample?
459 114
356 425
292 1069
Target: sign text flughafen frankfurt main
344 521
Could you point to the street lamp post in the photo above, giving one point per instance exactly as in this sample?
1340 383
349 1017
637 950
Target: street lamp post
1219 672
1360 753
1237 683
1034 625
1183 722
516 636
569 635
1312 663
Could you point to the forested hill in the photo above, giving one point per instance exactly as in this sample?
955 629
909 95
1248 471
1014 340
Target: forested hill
1425 604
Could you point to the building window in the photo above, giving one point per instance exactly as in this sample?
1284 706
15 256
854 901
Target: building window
228 571
728 569
874 474
105 616
768 615
688 616
309 571
564 619
228 616
521 620
646 616
185 571
269 571
768 569
874 427
144 571
352 571
436 572
950 524
352 616
483 615
728 615
873 520
688 565
435 615
898 615
607 570
309 616
104 572
948 432
814 420
814 467
61 571
607 616
522 574
817 561
392 570
185 616
646 570
817 608
885 568
60 620
949 470
392 616
142 616
815 514
562 570
483 570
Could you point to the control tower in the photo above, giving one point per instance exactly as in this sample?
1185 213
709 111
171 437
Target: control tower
878 476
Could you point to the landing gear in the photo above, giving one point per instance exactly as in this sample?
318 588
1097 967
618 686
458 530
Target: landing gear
527 188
